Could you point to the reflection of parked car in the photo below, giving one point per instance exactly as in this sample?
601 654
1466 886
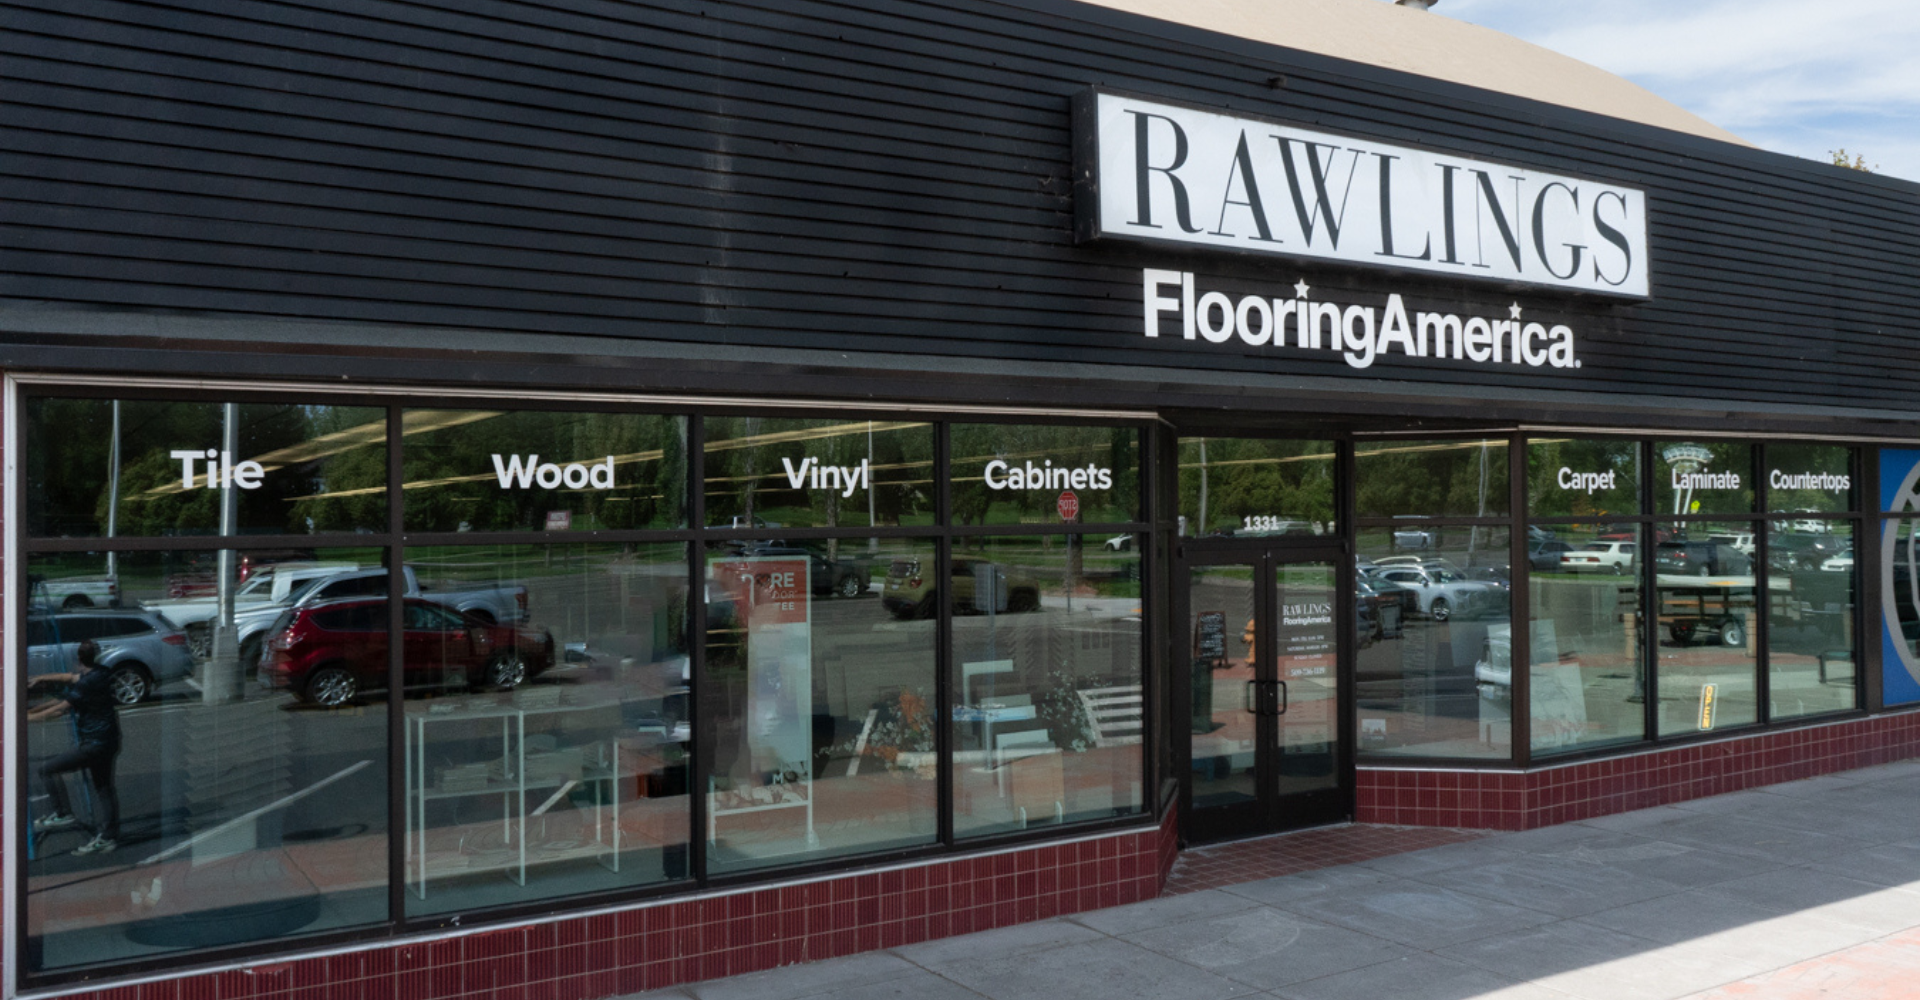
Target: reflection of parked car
1443 593
1839 563
1412 538
1629 533
1377 613
268 585
329 653
1742 541
1600 557
1682 558
1544 557
252 563
979 585
141 649
1120 543
846 577
1795 552
486 604
68 593
1441 562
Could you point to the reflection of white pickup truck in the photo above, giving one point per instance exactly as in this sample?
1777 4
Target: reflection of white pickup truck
68 594
499 605
274 585
271 585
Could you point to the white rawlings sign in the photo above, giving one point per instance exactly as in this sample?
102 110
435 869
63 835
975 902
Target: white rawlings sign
1167 174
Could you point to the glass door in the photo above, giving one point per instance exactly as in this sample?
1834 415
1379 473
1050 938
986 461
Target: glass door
1267 746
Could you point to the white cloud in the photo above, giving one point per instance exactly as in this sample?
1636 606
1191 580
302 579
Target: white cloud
1793 76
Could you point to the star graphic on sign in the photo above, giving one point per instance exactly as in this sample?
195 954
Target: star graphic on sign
1514 310
1301 288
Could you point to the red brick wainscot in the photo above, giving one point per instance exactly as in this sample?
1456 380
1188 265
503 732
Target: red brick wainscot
1564 793
688 939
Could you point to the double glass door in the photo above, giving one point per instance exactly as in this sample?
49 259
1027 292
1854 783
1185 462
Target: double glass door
1268 748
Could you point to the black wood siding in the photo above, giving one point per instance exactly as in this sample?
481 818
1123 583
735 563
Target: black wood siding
864 176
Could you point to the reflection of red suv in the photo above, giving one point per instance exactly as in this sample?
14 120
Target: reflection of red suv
329 653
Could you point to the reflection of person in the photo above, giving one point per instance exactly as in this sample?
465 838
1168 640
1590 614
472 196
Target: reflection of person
89 696
1247 637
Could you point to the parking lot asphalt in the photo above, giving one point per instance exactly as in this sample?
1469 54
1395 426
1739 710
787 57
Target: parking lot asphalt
1800 890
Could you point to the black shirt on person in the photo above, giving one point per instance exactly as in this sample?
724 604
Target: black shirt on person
95 717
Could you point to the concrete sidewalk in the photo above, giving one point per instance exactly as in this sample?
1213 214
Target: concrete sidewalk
1808 889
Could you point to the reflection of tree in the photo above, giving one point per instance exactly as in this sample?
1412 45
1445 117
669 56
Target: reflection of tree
68 464
1545 459
748 460
1724 456
289 440
1802 459
454 482
1250 477
346 491
974 445
1436 478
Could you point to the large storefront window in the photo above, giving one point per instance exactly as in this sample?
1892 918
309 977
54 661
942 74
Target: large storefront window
1706 595
765 473
1419 693
485 470
179 801
553 713
117 468
1587 677
1048 715
819 692
546 714
1256 487
1810 618
1018 474
1465 478
1702 478
1587 670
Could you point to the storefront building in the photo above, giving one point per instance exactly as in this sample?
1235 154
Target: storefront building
573 498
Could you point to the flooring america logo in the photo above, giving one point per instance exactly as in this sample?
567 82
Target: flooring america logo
1362 334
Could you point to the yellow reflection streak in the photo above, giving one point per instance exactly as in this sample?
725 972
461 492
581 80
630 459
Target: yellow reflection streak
812 434
1432 446
632 458
1328 456
374 432
777 476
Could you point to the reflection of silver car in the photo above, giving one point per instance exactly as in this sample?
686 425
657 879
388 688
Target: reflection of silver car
141 649
1442 593
1412 538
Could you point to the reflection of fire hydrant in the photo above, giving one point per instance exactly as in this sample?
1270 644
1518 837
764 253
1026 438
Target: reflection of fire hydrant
1247 637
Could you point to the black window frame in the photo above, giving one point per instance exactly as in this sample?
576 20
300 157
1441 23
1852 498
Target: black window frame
394 542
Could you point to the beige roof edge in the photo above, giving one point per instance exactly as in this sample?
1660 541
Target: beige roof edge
1379 33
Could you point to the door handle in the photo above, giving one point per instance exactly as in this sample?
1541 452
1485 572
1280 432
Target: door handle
1284 701
1249 699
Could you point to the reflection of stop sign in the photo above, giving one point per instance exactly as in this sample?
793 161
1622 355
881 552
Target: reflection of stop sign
1069 506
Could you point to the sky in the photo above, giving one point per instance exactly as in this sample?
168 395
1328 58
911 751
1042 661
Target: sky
1801 77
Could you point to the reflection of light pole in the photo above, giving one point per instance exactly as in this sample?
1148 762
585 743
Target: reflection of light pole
1473 535
1201 527
113 494
222 676
873 517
